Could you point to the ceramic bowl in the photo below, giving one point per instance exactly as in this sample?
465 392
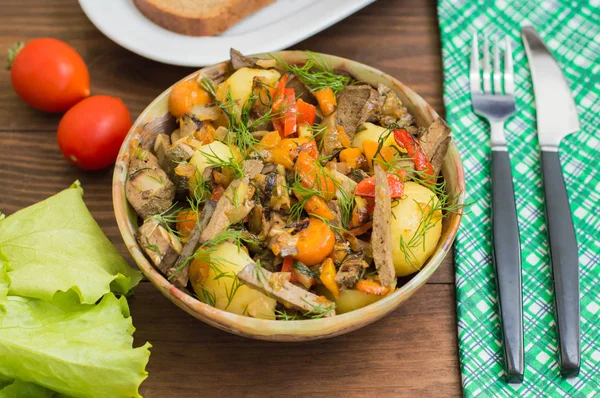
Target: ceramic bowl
155 119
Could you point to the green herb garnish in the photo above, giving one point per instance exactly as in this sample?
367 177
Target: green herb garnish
284 316
316 74
208 85
215 161
305 270
136 172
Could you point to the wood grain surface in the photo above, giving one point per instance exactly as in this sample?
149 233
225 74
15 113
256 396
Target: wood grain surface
410 353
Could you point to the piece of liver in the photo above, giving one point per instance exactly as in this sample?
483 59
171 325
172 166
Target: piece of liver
181 277
381 237
434 136
220 219
160 245
356 104
286 293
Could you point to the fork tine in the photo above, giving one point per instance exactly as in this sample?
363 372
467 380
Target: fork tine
474 73
487 71
497 73
509 82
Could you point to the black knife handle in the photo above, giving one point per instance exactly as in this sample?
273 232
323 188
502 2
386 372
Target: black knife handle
506 256
565 263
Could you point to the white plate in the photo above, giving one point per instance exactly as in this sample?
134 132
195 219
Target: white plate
277 26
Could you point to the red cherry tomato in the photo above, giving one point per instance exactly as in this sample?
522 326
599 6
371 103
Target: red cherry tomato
91 133
366 187
49 75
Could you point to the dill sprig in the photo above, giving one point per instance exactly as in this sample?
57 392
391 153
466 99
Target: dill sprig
208 85
231 163
393 166
317 131
239 123
284 316
238 237
233 289
304 195
338 230
200 192
260 275
151 247
205 253
318 310
205 250
305 270
159 180
345 202
304 192
168 217
316 74
209 298
136 172
431 213
438 207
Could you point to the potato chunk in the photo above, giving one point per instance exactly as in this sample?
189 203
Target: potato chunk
372 132
349 299
214 279
409 216
240 83
216 151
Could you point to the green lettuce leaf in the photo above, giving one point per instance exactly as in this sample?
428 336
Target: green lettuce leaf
4 281
56 246
71 348
4 381
22 389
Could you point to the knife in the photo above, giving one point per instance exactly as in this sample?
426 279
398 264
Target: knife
557 118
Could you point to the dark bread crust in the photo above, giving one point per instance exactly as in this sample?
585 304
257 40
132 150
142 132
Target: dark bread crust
232 13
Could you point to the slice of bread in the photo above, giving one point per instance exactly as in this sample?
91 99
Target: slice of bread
198 17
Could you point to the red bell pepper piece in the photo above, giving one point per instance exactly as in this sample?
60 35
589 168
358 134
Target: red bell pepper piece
277 97
395 181
290 114
288 266
278 93
285 112
306 112
415 152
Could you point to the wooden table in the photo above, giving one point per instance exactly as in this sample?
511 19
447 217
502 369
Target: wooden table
412 352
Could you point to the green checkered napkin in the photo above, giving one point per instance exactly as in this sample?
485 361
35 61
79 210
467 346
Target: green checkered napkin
572 32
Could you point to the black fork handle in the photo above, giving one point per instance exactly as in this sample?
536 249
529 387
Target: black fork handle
506 256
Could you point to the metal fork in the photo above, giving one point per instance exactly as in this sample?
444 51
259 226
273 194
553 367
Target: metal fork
497 107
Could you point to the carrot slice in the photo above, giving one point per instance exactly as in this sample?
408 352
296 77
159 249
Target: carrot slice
371 287
316 205
326 99
327 276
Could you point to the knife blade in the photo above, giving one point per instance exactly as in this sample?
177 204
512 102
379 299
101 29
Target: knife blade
557 118
556 113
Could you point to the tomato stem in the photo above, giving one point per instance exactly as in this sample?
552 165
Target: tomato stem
12 53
